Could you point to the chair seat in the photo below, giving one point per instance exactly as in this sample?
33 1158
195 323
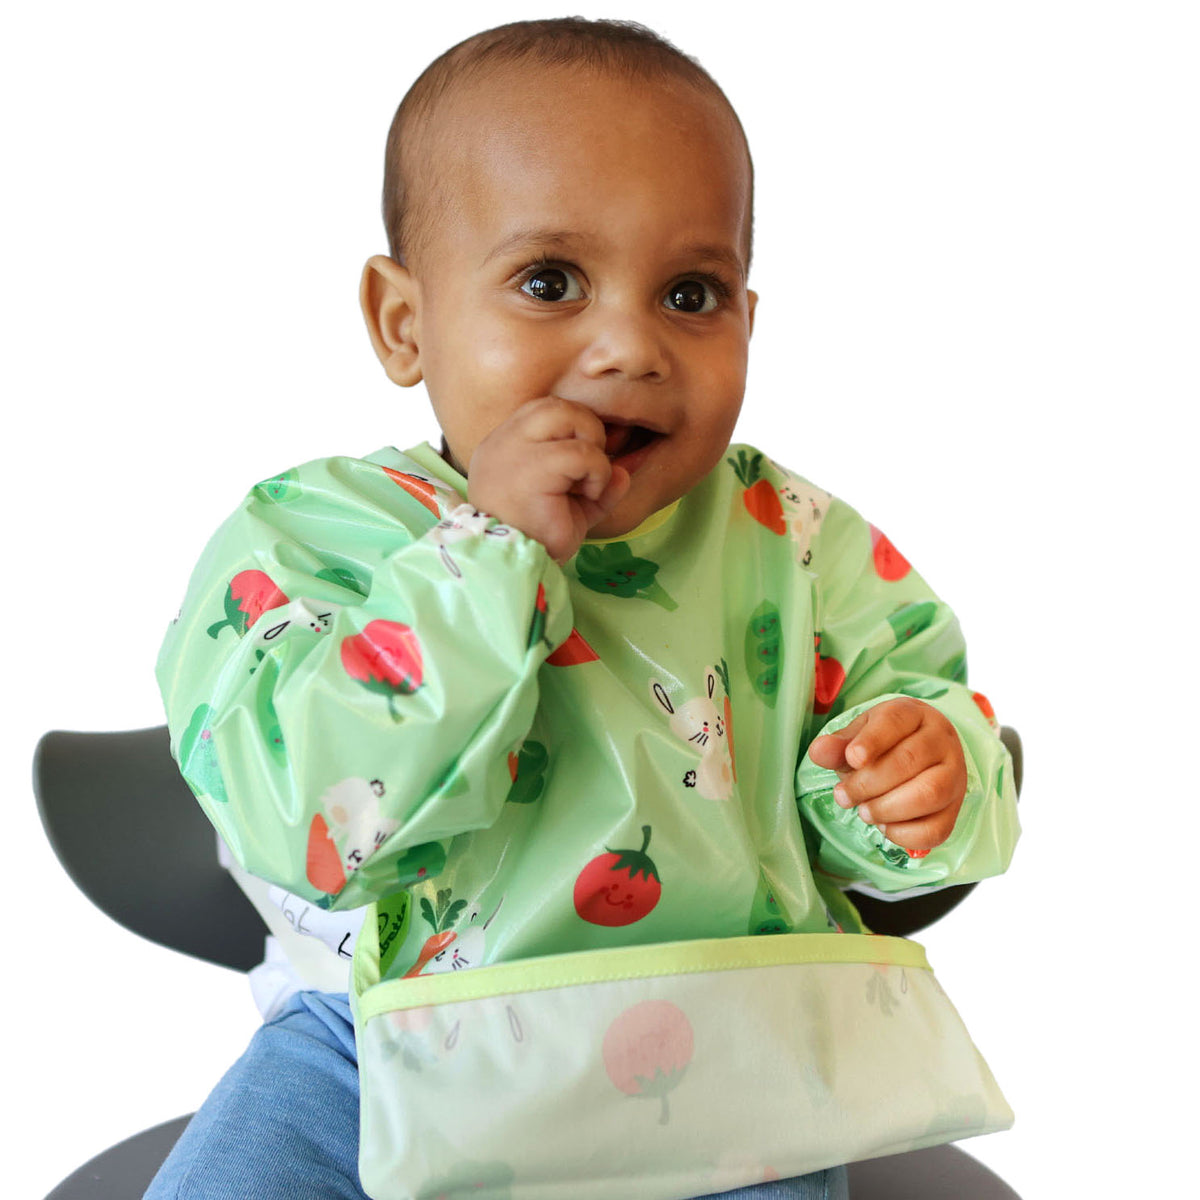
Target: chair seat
937 1173
122 1171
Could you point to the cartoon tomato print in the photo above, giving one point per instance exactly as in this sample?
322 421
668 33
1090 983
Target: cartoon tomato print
618 888
647 1049
890 564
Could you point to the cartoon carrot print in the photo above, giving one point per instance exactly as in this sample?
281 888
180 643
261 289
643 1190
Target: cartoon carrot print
441 919
419 489
760 497
249 595
572 652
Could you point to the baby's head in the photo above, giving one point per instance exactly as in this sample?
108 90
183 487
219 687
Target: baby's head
568 205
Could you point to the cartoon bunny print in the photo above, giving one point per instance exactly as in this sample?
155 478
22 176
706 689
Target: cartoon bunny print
804 508
700 724
457 526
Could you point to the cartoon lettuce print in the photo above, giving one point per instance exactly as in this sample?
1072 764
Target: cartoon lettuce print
614 570
386 659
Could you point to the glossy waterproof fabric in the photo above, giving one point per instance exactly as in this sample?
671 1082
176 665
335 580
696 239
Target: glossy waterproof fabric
374 690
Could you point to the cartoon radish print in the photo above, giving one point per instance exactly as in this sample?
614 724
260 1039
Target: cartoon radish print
890 564
618 888
385 658
759 496
249 595
573 652
647 1050
698 723
828 677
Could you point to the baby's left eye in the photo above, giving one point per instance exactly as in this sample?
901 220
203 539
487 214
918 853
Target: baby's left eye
691 296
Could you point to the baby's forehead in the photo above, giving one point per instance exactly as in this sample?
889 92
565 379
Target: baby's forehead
484 124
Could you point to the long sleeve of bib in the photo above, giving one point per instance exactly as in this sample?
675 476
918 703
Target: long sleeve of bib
341 714
882 633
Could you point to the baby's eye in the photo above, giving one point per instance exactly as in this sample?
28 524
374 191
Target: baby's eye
552 284
691 296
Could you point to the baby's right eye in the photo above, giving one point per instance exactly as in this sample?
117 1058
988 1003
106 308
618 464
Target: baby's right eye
552 284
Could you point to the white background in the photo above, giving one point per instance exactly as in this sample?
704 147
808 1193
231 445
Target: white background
978 259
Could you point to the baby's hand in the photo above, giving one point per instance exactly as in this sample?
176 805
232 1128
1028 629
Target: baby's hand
901 762
544 471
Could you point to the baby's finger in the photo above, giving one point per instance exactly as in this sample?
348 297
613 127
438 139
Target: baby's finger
904 761
923 834
932 791
829 750
552 419
573 465
885 725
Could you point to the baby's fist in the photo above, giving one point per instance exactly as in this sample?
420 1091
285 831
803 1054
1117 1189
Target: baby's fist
901 763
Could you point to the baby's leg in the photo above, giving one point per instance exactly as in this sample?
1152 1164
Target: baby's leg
830 1184
283 1122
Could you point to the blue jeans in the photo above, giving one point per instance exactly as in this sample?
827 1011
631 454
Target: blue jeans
283 1122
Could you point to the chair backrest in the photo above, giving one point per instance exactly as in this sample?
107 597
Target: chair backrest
130 833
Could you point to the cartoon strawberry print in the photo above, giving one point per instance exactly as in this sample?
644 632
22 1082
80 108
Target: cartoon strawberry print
249 595
385 658
647 1050
618 888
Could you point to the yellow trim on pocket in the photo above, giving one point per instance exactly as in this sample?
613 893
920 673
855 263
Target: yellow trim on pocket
630 962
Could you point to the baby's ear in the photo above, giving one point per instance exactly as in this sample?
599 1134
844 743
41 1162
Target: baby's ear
751 304
390 296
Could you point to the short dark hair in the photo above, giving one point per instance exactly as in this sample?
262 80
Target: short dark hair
622 48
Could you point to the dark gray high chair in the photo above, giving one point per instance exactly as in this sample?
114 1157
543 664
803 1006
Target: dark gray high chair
131 835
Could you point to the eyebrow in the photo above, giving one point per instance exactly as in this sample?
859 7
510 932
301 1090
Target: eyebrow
534 239
563 239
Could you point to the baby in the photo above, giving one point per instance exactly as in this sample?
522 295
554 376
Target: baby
582 705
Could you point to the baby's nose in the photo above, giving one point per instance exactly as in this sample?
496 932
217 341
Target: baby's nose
627 343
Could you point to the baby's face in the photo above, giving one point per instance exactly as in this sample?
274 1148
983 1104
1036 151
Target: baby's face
590 244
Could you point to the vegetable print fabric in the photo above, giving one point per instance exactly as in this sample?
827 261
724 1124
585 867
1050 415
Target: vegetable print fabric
373 688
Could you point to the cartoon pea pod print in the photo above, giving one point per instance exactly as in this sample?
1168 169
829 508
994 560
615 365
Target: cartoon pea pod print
280 489
764 651
614 570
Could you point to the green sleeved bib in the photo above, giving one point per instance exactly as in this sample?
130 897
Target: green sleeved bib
609 952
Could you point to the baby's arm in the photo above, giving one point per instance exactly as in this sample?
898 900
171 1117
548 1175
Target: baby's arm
932 799
544 471
347 680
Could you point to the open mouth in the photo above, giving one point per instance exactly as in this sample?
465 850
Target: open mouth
622 442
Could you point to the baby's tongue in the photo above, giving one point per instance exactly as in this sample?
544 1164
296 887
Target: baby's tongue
616 438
